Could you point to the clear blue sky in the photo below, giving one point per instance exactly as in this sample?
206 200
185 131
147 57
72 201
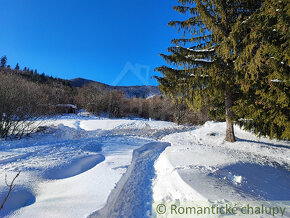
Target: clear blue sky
93 39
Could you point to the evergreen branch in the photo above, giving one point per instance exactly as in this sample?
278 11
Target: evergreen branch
181 73
209 17
181 60
192 40
191 51
185 9
186 24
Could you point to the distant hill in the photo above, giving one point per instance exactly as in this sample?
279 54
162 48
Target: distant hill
33 76
131 91
80 82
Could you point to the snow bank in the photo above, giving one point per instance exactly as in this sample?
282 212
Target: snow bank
75 167
124 124
201 165
80 195
133 195
169 185
90 125
70 167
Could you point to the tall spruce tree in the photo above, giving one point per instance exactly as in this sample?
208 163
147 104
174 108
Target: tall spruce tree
203 59
264 58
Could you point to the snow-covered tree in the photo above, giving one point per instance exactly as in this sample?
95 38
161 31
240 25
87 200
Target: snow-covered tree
203 60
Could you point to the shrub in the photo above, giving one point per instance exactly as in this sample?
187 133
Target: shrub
20 106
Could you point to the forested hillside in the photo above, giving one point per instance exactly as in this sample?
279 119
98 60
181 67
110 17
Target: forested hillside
26 95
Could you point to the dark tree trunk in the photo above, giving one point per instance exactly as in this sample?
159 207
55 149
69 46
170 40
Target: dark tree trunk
178 113
230 134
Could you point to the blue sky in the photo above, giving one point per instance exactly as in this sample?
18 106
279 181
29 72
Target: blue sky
92 39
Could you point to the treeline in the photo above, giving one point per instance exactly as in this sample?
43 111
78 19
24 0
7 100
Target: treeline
114 103
54 90
31 74
26 96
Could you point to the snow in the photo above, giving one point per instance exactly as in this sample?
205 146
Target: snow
70 168
201 50
203 60
67 105
198 59
193 75
81 165
133 194
90 125
200 165
169 184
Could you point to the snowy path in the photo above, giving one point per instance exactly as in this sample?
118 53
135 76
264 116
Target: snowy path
133 194
70 169
88 166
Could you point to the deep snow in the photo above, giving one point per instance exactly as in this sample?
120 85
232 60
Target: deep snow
133 194
200 166
71 167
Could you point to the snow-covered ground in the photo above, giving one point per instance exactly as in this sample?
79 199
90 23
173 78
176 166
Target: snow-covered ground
70 168
200 166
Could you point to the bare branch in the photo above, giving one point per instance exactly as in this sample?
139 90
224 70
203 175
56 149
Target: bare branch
11 187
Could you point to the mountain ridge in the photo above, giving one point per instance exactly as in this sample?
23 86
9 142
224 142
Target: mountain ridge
131 91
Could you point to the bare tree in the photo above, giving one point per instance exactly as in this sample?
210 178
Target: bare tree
20 106
93 99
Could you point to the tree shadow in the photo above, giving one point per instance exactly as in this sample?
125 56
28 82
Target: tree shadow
263 143
266 182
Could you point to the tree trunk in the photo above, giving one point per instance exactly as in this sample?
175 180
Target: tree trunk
178 113
230 134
